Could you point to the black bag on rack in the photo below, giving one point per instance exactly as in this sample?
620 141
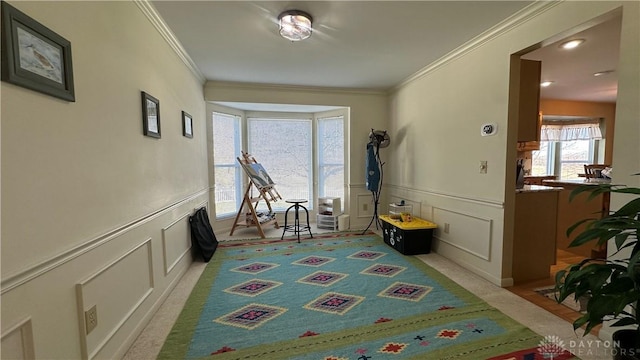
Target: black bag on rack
202 236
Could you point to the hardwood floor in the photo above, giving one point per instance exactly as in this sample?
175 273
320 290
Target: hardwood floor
526 290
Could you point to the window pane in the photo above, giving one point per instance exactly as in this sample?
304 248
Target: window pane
573 156
283 147
331 157
225 134
540 160
225 191
226 148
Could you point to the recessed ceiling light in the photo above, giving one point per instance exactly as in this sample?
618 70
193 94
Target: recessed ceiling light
546 83
606 72
571 44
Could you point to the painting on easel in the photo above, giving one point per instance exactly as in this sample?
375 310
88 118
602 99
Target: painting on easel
258 175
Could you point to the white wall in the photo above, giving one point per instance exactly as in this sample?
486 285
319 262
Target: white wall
93 212
436 119
367 109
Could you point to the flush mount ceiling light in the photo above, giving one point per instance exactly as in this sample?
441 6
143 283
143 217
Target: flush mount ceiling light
546 83
572 44
295 25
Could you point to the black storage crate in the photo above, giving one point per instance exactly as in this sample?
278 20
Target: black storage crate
407 242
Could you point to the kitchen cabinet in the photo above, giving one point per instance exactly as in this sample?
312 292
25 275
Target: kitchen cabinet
528 145
525 85
534 239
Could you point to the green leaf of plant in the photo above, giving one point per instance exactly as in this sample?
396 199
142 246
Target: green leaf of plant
632 208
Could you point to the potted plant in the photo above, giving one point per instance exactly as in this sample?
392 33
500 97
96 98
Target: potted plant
611 285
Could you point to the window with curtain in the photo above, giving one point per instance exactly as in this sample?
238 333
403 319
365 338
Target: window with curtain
565 146
227 143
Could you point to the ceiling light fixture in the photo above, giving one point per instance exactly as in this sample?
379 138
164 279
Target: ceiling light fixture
546 83
572 44
295 25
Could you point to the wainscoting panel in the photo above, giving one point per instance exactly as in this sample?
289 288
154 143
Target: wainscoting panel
17 343
132 275
365 205
469 233
176 242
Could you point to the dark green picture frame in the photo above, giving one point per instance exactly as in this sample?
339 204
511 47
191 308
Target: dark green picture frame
35 57
150 115
187 125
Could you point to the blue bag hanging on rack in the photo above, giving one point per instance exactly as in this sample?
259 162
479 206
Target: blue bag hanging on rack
373 169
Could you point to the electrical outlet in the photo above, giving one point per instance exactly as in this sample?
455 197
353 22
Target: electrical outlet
91 319
483 166
446 228
365 207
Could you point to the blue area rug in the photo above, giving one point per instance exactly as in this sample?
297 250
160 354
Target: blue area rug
345 296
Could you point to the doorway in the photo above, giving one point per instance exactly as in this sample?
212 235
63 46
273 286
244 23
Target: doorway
583 84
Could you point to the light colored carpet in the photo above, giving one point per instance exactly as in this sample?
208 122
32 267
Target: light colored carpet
149 342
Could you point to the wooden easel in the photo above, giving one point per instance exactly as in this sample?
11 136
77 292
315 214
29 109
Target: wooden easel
268 194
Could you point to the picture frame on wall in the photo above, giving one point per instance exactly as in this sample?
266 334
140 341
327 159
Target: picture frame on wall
187 125
150 115
35 57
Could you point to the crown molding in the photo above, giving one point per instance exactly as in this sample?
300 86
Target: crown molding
152 14
536 8
296 88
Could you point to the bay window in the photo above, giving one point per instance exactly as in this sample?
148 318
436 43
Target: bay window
303 154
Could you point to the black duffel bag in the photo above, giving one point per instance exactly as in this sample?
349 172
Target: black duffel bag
202 236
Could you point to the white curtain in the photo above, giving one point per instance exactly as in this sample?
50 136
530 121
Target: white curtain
568 132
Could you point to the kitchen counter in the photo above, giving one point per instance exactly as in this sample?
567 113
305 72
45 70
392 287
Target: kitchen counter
576 182
537 179
577 208
538 188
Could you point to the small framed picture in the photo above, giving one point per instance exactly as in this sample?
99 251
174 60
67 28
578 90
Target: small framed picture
187 125
150 115
35 57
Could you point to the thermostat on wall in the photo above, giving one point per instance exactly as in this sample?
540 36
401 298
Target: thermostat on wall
488 129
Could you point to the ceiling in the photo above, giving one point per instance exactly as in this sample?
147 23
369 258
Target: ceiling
372 45
572 71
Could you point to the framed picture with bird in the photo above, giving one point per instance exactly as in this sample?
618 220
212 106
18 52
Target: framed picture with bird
35 57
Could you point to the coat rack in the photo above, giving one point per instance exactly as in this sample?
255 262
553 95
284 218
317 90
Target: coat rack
260 185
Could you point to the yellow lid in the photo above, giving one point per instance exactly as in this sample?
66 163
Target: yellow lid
414 224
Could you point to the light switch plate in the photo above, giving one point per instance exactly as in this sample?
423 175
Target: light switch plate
483 166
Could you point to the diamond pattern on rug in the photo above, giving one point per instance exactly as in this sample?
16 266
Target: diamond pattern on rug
334 303
367 255
251 316
253 287
313 261
406 291
448 334
255 268
322 278
383 270
393 348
